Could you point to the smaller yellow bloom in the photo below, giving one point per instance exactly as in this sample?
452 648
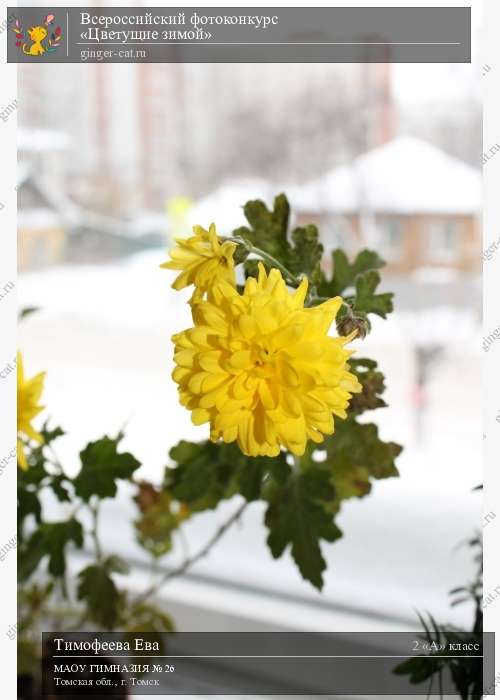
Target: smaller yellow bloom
202 259
29 392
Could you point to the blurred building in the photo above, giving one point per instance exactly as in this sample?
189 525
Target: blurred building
144 133
41 232
41 227
408 199
52 227
139 135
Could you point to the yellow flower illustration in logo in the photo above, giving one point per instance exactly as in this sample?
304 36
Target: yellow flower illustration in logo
261 369
29 392
202 259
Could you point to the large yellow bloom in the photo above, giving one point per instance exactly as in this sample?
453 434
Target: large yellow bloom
203 259
261 369
29 392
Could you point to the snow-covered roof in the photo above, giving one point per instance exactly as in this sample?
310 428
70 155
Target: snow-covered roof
405 176
38 218
224 206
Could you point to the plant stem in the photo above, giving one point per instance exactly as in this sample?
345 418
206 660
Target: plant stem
289 276
94 509
189 561
55 459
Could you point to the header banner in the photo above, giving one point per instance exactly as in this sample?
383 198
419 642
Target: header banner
239 35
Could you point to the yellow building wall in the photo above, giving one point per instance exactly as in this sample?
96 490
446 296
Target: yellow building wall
38 247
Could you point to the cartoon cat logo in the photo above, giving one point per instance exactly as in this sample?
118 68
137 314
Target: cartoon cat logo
40 38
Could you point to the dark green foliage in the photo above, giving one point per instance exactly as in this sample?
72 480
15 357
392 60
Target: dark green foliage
356 455
159 517
28 503
345 273
372 381
27 311
301 253
268 231
303 502
102 465
366 301
60 486
207 473
97 599
305 256
49 540
98 590
297 516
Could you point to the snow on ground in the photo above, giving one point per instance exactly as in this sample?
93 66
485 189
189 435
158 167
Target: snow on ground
103 335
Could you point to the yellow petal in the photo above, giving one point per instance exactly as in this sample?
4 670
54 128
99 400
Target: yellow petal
200 416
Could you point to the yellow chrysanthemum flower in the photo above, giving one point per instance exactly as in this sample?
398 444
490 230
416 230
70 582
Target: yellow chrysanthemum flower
29 392
203 259
261 369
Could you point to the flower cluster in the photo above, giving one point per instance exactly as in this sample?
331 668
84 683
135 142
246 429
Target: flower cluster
257 365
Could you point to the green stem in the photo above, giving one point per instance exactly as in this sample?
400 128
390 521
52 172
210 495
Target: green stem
289 276
190 560
94 532
56 462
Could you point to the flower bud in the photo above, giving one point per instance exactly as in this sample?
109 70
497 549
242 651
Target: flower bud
350 322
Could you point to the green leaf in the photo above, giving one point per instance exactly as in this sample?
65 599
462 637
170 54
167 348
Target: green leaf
356 455
305 256
35 472
51 434
418 668
97 589
208 472
296 517
56 537
373 383
268 229
160 517
252 475
50 540
201 478
361 277
102 466
27 311
28 503
61 491
366 300
345 273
